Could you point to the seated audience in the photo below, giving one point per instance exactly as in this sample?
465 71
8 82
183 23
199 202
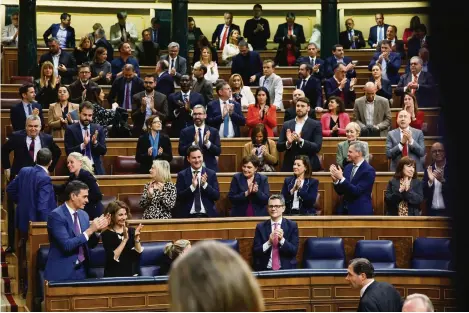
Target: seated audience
231 49
273 83
240 93
383 86
147 52
264 148
123 31
164 80
212 277
275 240
390 62
435 186
352 132
172 251
177 64
340 86
202 41
263 111
311 86
290 113
287 53
125 58
417 302
200 84
25 108
312 59
63 31
159 195
100 68
197 187
257 29
153 144
419 40
84 52
102 42
105 117
301 190
351 38
65 67
290 28
121 242
336 58
193 34
249 190
355 182
212 67
47 85
334 123
405 141
125 87
80 88
248 64
60 113
410 105
410 32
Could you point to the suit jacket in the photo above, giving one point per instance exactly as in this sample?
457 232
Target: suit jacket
76 91
312 135
34 195
180 118
413 197
345 41
18 116
313 91
331 88
54 115
147 53
67 60
343 120
205 88
118 90
65 243
210 154
416 151
165 84
17 143
398 48
146 161
373 36
257 40
103 42
414 44
290 114
392 66
246 66
322 66
357 192
342 151
282 54
239 201
426 94
54 29
185 197
380 297
117 65
287 251
73 139
386 88
180 65
282 32
381 117
217 33
331 61
428 191
160 103
307 194
115 34
162 37
270 156
215 119
269 120
275 87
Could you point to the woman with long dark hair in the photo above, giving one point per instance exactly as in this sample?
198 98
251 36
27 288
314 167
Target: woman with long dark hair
263 111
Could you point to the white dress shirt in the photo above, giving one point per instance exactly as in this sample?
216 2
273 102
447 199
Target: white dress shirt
369 112
7 35
62 37
438 202
188 96
55 61
204 186
274 85
72 214
267 244
409 143
298 129
231 132
208 144
212 72
37 145
412 79
362 291
296 199
83 133
384 69
26 109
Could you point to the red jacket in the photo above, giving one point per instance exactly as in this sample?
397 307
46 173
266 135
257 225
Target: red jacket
343 119
270 119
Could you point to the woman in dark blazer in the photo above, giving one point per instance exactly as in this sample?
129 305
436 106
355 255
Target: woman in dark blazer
249 190
404 193
383 86
300 191
153 145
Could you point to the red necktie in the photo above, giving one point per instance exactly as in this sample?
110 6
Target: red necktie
31 148
414 80
405 151
290 30
275 252
223 41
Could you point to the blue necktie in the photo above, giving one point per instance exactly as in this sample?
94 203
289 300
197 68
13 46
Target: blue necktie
30 110
127 97
155 36
353 41
226 122
201 138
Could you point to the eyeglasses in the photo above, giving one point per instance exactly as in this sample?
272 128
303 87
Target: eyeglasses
275 206
156 122
196 114
438 151
413 63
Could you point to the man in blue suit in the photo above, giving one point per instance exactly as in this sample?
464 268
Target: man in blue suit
377 32
71 236
202 135
164 80
26 107
310 85
390 62
341 86
125 58
316 63
197 187
67 41
248 64
222 31
435 183
355 182
87 138
339 57
224 114
125 87
275 240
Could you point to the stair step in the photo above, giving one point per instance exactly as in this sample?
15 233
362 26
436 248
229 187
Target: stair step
11 271
4 238
4 224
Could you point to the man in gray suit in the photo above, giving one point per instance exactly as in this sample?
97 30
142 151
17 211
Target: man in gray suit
177 64
405 141
273 83
372 113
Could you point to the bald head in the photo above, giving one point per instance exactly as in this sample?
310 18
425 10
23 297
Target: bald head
297 94
370 91
417 303
403 119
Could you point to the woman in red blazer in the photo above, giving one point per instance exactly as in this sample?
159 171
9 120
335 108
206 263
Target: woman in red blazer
410 105
333 123
262 112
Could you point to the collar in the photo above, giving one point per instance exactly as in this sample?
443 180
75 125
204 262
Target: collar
359 163
26 104
152 94
170 59
337 59
201 126
440 167
312 58
70 210
44 168
159 75
279 222
418 74
257 18
62 28
362 291
187 93
408 128
83 126
306 117
193 170
307 78
227 101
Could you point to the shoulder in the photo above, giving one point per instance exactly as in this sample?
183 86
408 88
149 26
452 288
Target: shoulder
210 172
183 172
291 223
261 225
342 144
289 123
313 181
382 100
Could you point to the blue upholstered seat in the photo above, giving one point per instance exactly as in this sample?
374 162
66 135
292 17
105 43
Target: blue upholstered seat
379 252
152 258
324 253
97 262
431 253
232 243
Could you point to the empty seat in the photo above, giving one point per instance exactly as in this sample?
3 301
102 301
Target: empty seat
232 243
287 81
177 164
21 80
431 253
152 258
379 252
107 199
124 165
9 103
133 201
324 253
97 262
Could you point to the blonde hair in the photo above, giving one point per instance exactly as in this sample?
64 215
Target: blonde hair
355 126
174 249
82 40
85 161
230 81
212 277
162 169
42 80
209 54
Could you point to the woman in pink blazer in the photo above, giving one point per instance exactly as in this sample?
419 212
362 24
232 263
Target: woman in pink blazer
333 123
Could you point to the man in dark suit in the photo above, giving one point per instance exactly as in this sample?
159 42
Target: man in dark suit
101 41
87 138
147 103
220 36
197 187
377 32
338 57
159 35
64 63
312 59
125 58
419 83
351 38
224 114
396 44
390 62
201 85
64 25
257 29
340 86
310 85
248 64
300 136
181 104
418 41
177 64
164 80
71 236
26 107
125 87
354 182
374 296
202 135
290 113
78 87
290 28
275 240
435 183
147 52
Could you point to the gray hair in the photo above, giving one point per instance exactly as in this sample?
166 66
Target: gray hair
313 44
419 59
424 298
53 39
359 147
199 106
173 44
277 196
33 117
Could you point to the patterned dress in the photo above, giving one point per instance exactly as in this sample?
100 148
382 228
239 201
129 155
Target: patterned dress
159 205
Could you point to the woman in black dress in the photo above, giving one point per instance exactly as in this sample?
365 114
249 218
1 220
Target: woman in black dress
171 251
121 243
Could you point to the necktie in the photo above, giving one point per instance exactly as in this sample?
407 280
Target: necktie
30 109
201 138
155 36
351 40
414 80
265 82
379 33
226 122
127 96
354 170
303 85
184 98
405 150
225 35
172 63
312 61
275 252
197 203
290 30
88 146
31 148
81 253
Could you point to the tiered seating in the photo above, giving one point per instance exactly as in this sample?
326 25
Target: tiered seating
324 253
380 252
431 253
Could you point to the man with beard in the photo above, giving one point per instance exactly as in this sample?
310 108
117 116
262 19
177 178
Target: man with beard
290 113
64 63
341 86
201 85
62 31
205 137
125 87
125 57
86 138
80 90
310 85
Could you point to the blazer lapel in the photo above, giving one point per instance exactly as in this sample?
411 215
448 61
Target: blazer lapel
26 147
244 182
376 112
68 217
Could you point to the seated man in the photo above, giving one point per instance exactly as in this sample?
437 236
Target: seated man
435 183
390 62
339 57
341 86
316 63
354 182
125 87
351 38
197 187
275 240
65 65
405 141
69 252
63 31
224 114
177 64
273 83
310 85
26 107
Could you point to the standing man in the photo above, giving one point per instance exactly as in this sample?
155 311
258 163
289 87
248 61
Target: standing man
290 28
310 85
25 108
276 240
351 38
125 57
273 83
201 85
435 183
164 80
341 86
377 32
123 32
159 35
316 63
257 29
396 44
10 32
338 56
80 90
64 33
248 64
125 87
147 52
177 64
390 62
220 36
64 63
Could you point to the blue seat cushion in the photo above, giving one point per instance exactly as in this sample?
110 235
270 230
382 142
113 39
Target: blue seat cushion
152 258
41 261
324 253
323 264
379 252
97 262
232 243
431 253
